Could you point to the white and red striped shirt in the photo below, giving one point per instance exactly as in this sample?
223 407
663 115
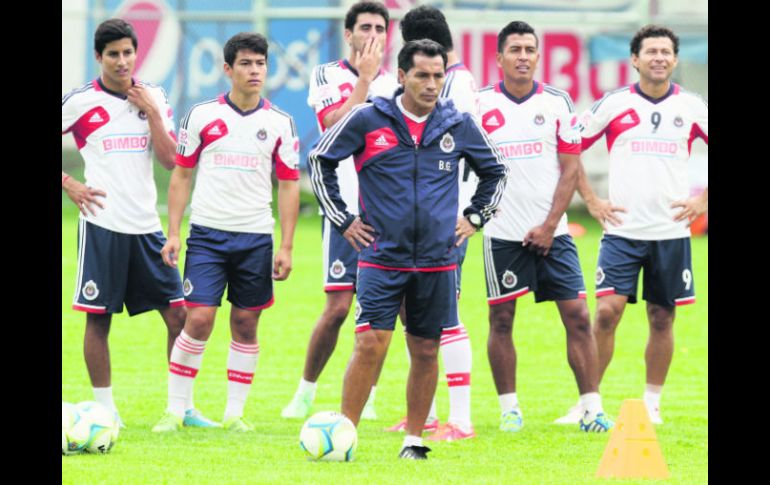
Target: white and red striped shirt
649 143
114 139
235 152
530 132
331 85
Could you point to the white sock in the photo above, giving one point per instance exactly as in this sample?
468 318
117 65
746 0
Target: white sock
241 362
307 388
189 404
410 440
652 396
592 404
186 357
432 414
509 402
103 395
456 355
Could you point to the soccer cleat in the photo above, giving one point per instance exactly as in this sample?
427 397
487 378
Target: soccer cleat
511 421
299 407
369 413
654 413
414 452
430 425
573 416
168 422
600 424
194 419
236 423
451 432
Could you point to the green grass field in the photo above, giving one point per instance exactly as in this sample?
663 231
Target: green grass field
541 453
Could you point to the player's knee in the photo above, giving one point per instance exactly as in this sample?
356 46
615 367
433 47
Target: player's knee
198 326
424 352
368 347
336 314
607 318
500 320
578 321
661 320
175 320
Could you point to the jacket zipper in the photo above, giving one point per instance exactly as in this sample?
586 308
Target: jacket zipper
414 244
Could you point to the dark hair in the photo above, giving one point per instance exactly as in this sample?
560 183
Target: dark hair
249 41
376 8
426 22
653 31
427 47
112 30
515 27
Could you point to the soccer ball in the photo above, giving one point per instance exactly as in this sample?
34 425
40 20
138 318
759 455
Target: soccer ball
328 436
69 416
95 431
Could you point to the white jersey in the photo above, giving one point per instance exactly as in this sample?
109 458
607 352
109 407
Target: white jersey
113 137
330 86
460 87
649 144
530 132
235 152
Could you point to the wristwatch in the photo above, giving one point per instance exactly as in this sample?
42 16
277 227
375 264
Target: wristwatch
475 220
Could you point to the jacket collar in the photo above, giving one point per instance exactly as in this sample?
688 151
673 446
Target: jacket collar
443 117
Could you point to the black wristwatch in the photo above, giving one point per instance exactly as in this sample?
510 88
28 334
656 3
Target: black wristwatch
475 220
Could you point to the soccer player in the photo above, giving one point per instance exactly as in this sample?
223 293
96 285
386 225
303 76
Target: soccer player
335 88
237 141
650 127
118 122
406 151
527 247
427 22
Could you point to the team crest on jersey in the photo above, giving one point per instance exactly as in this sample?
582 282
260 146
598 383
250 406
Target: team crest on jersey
262 135
678 121
539 119
447 143
90 290
337 269
599 275
509 279
187 287
142 115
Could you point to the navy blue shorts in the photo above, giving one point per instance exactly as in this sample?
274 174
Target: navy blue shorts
430 300
339 259
242 261
667 267
116 268
512 270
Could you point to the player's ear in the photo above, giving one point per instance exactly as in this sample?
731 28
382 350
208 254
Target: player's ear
401 76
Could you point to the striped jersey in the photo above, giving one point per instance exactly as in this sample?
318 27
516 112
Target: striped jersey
460 87
530 132
649 142
113 138
235 152
331 85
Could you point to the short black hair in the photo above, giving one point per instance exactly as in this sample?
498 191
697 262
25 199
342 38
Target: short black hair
249 41
376 8
427 47
426 22
112 30
653 31
515 27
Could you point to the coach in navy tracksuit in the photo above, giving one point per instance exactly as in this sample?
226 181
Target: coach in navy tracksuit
406 150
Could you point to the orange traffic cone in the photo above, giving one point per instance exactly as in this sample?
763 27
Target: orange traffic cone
633 450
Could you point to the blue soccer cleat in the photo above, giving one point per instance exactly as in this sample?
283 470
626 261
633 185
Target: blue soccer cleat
194 419
600 424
